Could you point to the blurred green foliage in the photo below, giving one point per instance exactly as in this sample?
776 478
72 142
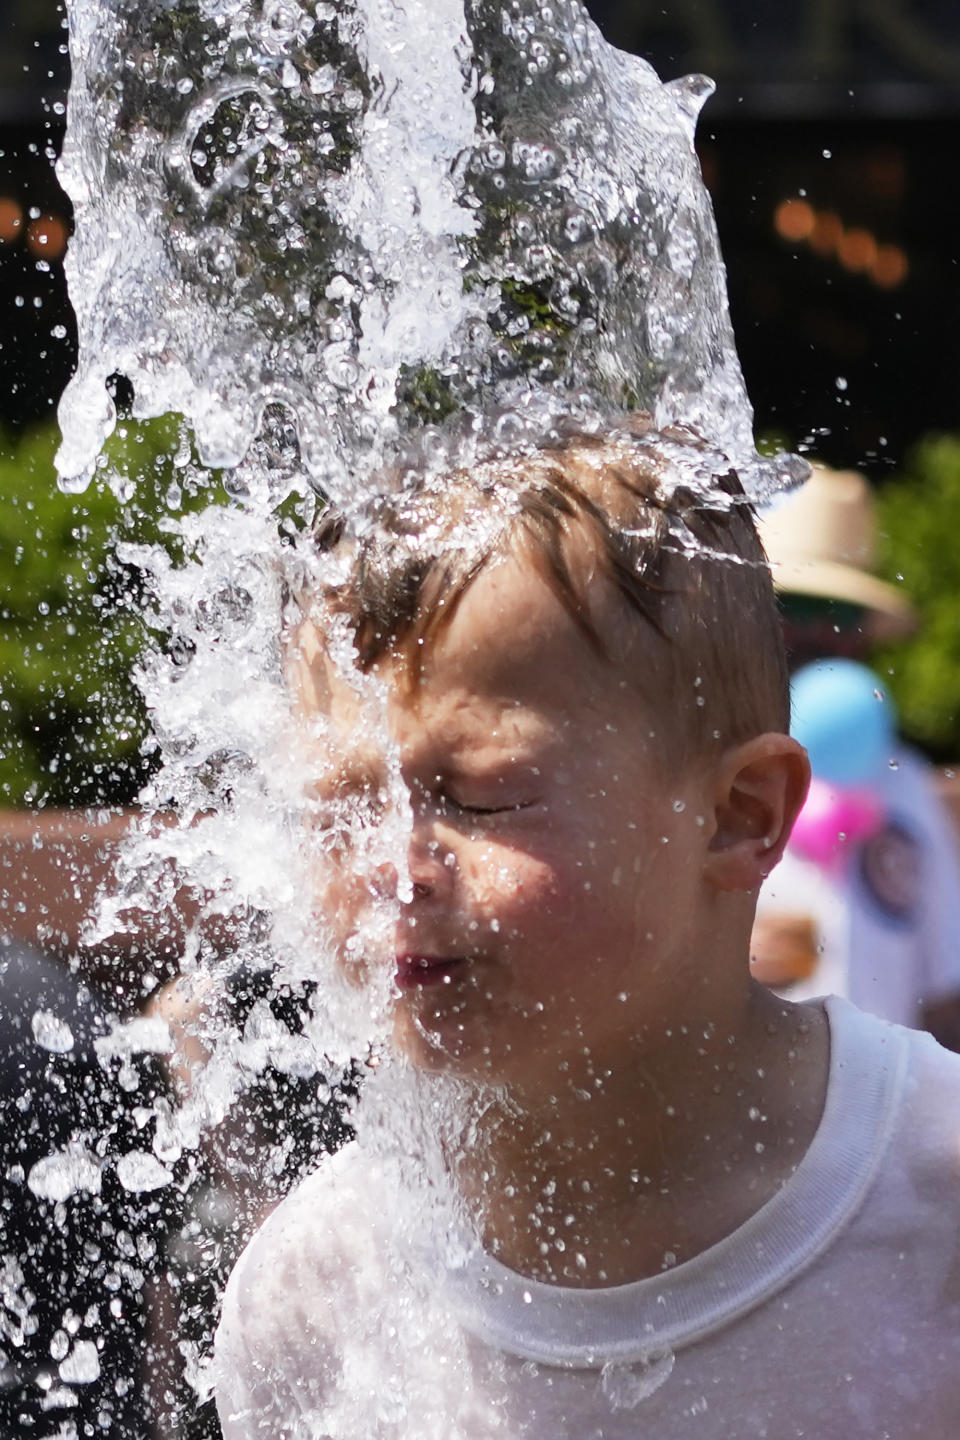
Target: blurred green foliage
918 514
72 723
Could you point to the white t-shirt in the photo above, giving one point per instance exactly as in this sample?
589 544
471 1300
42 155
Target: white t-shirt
888 923
833 1312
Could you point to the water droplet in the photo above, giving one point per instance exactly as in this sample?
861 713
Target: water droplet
841 382
82 1365
576 227
626 1384
138 1171
51 1033
58 1176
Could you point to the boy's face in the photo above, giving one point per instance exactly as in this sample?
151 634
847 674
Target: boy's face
555 855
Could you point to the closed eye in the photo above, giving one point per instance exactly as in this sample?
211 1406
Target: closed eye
471 795
503 809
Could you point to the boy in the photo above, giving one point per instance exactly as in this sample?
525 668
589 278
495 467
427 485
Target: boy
676 1205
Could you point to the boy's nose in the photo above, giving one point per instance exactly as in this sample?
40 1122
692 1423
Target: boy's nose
384 881
430 863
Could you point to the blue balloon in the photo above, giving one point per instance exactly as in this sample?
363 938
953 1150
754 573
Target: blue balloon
844 716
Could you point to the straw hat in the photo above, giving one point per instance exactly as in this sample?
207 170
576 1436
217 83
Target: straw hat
821 540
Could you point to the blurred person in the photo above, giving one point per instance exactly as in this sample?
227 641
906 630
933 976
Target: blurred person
874 917
821 543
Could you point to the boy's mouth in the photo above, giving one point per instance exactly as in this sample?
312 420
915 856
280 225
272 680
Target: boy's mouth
423 970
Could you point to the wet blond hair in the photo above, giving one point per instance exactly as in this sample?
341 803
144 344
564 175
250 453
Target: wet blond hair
662 518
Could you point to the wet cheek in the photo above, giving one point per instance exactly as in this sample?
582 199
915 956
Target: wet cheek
348 914
507 889
337 921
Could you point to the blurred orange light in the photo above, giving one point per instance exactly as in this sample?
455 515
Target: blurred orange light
794 219
47 237
857 250
11 219
827 233
890 267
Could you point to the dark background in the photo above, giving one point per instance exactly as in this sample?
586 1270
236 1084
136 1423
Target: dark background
847 316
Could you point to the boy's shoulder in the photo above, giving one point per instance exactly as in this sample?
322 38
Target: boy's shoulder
915 1162
314 1260
310 1241
929 1122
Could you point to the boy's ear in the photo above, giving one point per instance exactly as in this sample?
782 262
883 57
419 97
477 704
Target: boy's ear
760 788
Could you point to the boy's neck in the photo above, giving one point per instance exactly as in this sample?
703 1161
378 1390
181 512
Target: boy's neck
609 1184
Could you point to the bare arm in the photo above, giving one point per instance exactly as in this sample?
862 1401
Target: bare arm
53 866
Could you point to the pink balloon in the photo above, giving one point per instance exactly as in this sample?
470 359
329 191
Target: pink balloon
833 821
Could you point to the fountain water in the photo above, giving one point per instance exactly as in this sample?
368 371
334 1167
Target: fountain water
341 237
464 219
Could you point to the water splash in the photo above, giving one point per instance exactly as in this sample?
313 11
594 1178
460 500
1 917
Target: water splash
458 224
340 238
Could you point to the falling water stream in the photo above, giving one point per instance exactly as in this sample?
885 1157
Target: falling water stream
341 238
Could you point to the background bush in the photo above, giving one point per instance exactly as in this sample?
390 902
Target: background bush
919 521
72 723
